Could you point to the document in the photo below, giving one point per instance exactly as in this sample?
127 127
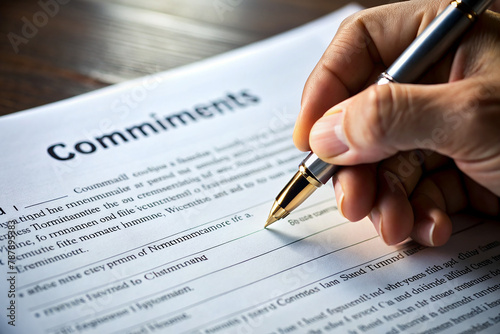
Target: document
139 208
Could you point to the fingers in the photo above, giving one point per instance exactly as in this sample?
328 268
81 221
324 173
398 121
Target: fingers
412 203
400 178
362 48
363 190
432 225
355 190
392 214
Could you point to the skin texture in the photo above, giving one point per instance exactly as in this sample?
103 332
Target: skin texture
413 154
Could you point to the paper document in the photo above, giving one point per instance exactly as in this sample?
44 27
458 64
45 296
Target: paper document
139 208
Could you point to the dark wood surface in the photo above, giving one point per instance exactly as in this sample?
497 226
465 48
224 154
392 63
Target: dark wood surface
54 49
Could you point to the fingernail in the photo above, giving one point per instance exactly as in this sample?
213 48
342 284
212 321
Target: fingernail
327 135
431 234
376 218
339 193
428 227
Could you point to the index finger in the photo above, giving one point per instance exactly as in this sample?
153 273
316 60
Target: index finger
365 44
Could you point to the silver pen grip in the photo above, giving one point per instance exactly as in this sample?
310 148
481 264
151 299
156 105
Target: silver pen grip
317 168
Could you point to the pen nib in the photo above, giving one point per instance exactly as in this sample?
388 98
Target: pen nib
270 220
277 213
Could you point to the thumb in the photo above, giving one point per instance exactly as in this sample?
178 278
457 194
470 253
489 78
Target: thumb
385 119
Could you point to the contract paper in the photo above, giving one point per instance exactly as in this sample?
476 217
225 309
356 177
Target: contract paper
140 208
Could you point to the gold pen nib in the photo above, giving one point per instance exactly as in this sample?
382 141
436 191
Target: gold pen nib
277 213
295 192
270 220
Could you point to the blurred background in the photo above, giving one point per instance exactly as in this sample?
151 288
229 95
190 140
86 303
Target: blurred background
55 49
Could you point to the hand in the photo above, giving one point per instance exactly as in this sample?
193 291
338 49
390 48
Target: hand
413 153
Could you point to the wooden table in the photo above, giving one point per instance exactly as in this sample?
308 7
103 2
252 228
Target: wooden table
54 49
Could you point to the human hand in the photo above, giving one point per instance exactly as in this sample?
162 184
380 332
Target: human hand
414 154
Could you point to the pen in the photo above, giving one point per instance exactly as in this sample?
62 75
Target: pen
425 50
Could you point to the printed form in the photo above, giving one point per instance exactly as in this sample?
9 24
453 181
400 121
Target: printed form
140 208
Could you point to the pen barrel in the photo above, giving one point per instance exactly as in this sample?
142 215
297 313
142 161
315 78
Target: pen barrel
435 40
478 6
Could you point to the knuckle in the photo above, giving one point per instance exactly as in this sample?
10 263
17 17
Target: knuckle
385 113
354 20
354 33
347 22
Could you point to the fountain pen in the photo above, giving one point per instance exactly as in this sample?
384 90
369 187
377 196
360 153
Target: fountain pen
424 51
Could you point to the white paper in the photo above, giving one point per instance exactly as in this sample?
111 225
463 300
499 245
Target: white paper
161 231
